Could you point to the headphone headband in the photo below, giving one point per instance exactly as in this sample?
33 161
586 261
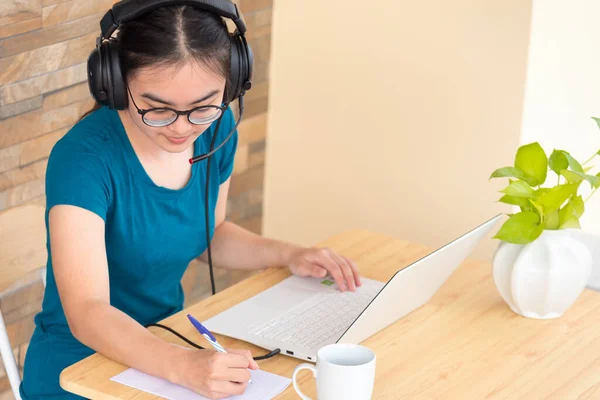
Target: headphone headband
127 10
105 77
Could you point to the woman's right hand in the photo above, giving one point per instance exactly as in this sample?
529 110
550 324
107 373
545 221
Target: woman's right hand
212 374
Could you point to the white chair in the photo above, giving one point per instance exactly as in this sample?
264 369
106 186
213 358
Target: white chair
22 251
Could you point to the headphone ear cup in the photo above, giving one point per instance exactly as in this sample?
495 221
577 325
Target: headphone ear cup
118 90
95 78
233 82
240 74
106 73
249 71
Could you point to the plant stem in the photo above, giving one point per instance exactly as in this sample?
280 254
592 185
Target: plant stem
591 194
591 158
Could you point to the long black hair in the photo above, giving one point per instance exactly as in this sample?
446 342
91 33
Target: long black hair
171 36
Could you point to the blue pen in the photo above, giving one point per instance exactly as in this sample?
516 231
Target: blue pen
208 336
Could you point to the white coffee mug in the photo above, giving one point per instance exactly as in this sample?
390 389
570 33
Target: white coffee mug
343 372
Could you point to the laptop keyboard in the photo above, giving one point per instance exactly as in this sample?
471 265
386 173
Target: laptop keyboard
320 317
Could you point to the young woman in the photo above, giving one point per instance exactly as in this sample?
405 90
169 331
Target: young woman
125 214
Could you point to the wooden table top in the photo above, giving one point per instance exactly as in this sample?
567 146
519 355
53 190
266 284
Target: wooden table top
465 343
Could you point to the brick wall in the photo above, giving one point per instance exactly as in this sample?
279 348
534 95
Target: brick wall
44 45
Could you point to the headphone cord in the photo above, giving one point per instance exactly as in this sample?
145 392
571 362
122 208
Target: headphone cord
209 253
207 216
206 197
188 341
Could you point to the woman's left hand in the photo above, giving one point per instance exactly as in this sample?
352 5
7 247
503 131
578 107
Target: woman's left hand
318 262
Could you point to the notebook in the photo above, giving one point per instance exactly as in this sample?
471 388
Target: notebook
265 385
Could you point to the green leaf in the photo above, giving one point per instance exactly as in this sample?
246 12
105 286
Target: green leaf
571 223
532 160
573 163
571 177
540 192
521 228
597 122
552 220
558 161
508 172
572 210
511 172
578 205
515 201
538 207
575 177
518 189
565 213
554 198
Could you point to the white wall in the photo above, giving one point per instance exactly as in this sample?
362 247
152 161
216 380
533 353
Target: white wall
563 84
390 116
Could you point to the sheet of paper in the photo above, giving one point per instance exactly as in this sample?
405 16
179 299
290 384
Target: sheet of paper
265 385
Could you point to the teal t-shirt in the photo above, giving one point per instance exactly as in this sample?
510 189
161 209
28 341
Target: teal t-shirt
152 233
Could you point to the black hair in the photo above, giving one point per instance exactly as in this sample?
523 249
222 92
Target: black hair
171 36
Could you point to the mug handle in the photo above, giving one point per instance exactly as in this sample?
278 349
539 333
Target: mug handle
298 369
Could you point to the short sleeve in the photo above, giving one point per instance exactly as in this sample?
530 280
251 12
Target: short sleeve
226 155
77 175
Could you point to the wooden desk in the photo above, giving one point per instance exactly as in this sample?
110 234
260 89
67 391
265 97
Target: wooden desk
464 344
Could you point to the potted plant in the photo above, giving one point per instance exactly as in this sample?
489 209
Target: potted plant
541 265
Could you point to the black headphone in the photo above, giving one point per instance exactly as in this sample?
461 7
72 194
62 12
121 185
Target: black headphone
105 78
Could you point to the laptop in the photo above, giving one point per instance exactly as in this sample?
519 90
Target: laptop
299 315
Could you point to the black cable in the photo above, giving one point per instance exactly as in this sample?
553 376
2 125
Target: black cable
179 335
188 341
207 225
206 215
268 355
206 197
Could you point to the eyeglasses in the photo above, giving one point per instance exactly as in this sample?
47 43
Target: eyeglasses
164 116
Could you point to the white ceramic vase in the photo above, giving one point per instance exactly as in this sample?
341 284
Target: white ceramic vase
543 279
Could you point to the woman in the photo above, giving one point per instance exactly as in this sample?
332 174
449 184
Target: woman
125 216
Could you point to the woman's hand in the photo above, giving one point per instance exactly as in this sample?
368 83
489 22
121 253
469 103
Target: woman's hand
317 262
212 374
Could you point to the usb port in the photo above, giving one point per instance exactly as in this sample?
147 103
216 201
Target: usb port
291 353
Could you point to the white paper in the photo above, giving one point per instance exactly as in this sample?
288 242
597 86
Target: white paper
265 385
